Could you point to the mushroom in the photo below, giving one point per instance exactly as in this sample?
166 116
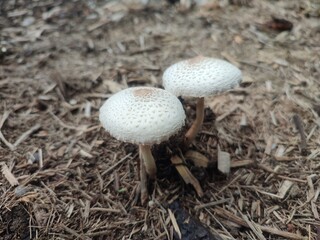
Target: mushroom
200 77
144 116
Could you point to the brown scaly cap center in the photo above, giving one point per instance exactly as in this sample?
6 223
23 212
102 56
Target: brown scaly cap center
143 92
195 60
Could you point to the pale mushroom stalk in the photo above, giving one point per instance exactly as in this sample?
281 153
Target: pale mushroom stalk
148 160
196 125
143 179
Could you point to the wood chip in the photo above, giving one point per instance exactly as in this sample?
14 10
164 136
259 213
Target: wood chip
8 174
241 163
224 162
285 187
186 174
197 158
268 148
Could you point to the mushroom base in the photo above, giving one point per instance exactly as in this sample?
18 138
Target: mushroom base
148 160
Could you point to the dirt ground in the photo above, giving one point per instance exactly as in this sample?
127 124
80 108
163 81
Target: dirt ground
64 177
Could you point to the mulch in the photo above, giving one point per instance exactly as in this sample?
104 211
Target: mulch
64 177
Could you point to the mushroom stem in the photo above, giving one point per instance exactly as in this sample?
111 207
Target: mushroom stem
196 125
143 181
147 158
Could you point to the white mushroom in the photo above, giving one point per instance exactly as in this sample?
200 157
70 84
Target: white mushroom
145 116
200 77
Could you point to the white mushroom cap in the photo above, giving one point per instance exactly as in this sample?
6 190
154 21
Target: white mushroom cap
200 77
142 115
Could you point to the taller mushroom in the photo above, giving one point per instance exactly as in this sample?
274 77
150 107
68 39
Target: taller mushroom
144 116
200 77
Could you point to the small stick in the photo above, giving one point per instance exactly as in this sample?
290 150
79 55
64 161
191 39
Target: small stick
211 204
71 231
238 220
242 163
117 164
40 158
298 123
116 181
268 169
109 210
26 134
62 124
4 118
4 140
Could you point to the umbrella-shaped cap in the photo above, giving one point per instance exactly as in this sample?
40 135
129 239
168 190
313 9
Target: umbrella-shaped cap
142 115
201 77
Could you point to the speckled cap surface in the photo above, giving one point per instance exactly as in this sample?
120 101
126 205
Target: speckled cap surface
201 77
142 115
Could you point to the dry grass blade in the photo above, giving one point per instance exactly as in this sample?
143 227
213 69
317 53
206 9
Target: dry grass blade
8 175
174 223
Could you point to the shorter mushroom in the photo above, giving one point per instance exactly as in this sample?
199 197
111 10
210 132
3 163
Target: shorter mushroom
200 77
144 116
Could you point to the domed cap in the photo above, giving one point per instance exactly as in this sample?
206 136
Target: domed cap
200 77
142 115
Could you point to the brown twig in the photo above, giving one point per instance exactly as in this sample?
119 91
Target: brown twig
298 123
